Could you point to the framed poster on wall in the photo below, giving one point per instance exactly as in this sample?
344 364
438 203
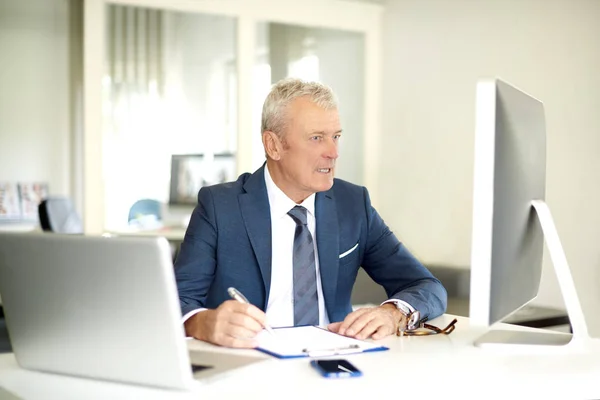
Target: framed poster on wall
10 208
31 195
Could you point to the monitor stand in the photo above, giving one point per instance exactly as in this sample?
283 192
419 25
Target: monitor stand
535 340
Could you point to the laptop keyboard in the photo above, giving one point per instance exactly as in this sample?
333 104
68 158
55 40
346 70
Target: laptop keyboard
198 367
5 346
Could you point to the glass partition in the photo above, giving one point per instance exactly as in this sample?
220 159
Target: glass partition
331 56
169 89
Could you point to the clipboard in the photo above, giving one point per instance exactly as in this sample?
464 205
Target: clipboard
311 341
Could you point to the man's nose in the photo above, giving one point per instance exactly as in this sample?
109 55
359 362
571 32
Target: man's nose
332 150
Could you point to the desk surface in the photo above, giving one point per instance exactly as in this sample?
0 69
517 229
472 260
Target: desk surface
172 233
438 366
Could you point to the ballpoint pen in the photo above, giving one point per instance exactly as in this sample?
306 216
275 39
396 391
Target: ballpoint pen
237 295
335 351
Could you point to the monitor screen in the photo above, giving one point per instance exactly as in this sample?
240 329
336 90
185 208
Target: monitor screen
191 172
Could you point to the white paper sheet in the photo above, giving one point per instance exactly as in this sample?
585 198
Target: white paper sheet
310 341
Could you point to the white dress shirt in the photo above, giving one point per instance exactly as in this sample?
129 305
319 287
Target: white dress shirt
280 308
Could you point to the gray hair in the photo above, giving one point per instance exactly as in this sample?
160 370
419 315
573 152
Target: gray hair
284 92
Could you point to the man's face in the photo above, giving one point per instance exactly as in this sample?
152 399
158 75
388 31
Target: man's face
309 149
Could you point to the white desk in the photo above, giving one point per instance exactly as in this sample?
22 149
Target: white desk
433 366
172 234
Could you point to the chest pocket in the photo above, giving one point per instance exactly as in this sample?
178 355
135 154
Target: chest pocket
349 256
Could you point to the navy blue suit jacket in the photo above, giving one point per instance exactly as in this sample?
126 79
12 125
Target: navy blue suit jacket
228 243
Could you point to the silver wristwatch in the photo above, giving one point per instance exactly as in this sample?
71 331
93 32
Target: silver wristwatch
412 319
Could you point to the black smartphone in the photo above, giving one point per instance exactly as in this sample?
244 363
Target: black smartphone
335 368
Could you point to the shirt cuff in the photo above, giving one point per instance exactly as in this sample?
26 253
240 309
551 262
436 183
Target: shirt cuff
191 313
401 304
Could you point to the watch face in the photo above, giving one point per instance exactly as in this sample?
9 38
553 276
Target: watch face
413 320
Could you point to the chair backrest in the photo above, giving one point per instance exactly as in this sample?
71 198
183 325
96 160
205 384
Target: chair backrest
143 208
58 214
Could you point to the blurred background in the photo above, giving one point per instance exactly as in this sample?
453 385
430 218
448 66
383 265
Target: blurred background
111 102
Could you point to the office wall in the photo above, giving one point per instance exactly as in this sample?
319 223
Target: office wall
38 65
434 51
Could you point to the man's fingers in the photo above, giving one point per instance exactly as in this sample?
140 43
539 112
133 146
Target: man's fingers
383 331
233 307
240 332
246 321
236 324
371 327
359 323
334 327
236 342
257 314
367 322
349 320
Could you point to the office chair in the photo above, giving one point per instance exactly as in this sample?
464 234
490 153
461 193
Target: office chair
58 214
145 213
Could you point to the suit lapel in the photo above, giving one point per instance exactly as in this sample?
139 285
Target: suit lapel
254 205
328 246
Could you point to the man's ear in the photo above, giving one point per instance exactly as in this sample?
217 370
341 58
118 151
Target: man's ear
272 145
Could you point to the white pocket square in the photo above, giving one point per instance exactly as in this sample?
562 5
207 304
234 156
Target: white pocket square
344 254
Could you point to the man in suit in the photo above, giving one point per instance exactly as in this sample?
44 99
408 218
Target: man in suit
291 238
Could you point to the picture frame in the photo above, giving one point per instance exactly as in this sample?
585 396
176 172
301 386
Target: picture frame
10 207
31 195
19 201
191 172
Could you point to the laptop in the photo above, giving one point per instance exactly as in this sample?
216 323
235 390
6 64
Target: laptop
99 307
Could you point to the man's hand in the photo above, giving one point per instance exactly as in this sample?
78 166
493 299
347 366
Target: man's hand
232 324
375 322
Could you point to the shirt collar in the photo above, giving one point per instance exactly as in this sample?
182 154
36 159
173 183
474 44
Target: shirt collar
279 203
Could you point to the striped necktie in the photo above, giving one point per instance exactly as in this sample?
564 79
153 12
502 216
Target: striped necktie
306 305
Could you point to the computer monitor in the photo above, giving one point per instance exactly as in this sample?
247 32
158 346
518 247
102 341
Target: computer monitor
511 219
191 172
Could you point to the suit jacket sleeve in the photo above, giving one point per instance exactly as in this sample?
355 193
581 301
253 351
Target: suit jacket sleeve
196 262
389 263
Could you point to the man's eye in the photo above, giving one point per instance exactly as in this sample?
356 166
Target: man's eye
337 137
315 138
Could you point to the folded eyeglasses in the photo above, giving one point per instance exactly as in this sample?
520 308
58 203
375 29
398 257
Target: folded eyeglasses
413 325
